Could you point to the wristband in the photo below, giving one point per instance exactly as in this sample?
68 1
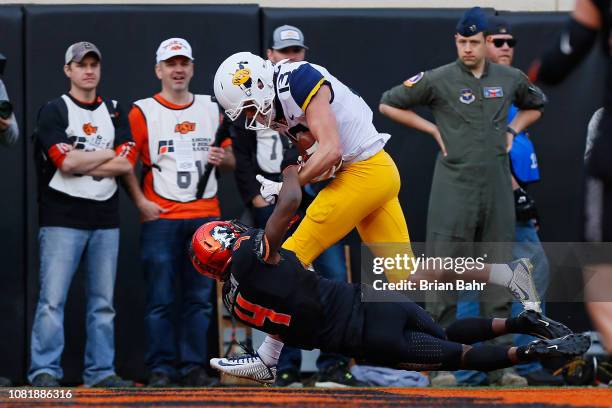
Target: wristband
512 131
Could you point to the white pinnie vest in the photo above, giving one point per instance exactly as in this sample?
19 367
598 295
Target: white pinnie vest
181 138
89 131
269 150
359 138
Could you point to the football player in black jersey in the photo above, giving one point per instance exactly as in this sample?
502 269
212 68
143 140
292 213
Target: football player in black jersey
266 287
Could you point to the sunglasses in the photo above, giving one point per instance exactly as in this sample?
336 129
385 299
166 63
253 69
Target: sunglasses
499 42
290 50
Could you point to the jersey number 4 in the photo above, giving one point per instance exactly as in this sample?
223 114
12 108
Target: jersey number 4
259 314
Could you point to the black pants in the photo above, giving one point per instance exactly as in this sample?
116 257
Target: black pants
403 335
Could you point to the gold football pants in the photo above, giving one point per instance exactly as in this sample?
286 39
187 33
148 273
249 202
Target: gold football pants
363 195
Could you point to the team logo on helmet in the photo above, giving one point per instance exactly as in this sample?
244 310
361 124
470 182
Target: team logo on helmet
224 236
242 76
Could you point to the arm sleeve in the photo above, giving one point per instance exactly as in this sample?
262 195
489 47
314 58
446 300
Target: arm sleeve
528 96
244 146
304 82
51 131
415 91
138 127
9 135
124 144
123 133
223 131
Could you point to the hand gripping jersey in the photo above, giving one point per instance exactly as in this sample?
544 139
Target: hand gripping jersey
179 141
89 131
297 82
278 299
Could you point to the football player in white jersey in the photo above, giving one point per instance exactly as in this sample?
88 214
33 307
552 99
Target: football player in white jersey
301 97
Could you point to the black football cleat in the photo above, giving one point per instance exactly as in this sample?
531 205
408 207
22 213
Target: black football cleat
568 346
536 324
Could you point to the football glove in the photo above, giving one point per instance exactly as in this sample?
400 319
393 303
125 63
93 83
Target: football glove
524 206
269 189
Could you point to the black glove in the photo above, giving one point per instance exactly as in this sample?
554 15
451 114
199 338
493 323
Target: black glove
524 206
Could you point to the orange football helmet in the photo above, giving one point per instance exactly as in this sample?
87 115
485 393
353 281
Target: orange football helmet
211 247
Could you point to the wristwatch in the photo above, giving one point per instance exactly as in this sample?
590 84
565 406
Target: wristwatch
512 131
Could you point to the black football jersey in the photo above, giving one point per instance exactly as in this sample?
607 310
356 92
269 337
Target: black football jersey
279 299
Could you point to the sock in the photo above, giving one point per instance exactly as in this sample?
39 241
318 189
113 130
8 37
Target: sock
270 350
501 274
486 358
471 330
513 325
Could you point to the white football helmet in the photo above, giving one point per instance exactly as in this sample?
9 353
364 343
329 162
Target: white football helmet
243 81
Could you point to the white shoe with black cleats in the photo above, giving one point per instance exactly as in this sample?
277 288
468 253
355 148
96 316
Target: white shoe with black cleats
249 366
522 285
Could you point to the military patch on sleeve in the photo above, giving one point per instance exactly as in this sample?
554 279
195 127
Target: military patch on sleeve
410 82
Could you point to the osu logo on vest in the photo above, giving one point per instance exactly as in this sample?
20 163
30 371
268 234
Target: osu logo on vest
165 146
185 127
89 129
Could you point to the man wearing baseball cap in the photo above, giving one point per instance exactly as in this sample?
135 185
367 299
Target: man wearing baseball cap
77 51
82 143
287 43
500 42
175 134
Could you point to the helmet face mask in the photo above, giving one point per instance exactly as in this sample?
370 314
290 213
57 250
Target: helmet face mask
252 112
244 81
224 235
211 248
